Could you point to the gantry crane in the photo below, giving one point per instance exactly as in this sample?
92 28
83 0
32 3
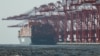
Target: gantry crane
73 20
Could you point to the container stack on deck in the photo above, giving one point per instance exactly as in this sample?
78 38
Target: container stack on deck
75 21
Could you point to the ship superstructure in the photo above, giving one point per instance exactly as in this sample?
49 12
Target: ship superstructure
25 35
74 21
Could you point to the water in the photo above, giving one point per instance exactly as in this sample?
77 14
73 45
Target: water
51 50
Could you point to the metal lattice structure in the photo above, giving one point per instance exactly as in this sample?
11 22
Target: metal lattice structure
73 20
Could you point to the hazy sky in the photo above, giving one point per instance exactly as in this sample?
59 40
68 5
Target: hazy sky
11 8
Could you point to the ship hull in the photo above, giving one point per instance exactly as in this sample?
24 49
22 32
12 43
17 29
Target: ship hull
26 40
43 41
43 35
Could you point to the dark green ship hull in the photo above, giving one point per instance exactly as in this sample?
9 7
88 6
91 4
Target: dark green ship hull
43 34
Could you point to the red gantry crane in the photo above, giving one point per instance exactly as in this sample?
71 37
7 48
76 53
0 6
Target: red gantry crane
75 21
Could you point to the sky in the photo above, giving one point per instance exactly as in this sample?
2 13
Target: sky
12 8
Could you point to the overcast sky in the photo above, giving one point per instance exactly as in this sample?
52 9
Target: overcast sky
11 8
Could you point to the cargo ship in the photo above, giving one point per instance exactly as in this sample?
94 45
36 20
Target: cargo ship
69 21
37 34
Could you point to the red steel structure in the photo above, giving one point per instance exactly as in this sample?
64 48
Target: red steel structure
73 20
